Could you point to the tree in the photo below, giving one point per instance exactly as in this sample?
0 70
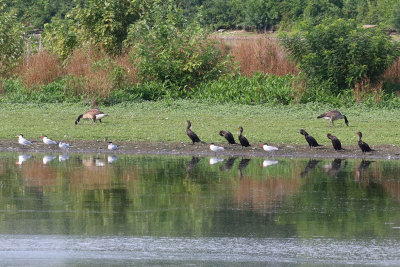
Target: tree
338 53
11 41
169 49
105 23
59 36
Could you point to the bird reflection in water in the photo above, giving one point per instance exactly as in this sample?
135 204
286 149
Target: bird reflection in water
269 162
22 158
191 164
63 157
242 165
48 158
111 158
214 160
311 164
228 164
334 167
362 167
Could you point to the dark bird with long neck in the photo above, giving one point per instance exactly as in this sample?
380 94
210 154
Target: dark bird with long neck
335 142
310 140
333 115
192 135
363 146
228 136
243 140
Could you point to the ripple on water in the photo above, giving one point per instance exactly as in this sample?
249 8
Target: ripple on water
65 250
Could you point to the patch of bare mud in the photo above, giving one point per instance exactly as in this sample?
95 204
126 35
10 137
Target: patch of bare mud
169 148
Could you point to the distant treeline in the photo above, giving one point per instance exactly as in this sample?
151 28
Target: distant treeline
229 14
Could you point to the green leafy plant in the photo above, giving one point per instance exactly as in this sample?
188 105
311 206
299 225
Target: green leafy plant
169 49
339 53
11 41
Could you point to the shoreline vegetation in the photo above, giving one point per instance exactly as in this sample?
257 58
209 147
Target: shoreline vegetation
157 65
159 128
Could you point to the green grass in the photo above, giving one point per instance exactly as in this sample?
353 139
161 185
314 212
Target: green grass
166 121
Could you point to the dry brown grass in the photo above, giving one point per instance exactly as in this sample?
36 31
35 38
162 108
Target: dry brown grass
40 69
92 72
365 87
392 74
259 54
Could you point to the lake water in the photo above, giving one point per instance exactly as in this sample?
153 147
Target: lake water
116 210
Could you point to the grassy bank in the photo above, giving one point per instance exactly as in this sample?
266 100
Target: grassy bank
166 121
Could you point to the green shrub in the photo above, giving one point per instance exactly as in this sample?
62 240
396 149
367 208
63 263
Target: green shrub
340 53
11 41
258 89
172 51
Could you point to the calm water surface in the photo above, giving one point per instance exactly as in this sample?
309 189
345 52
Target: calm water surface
86 210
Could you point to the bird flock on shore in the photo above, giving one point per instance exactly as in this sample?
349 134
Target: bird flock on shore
96 114
331 115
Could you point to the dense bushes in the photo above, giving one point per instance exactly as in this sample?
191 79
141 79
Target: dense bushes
338 53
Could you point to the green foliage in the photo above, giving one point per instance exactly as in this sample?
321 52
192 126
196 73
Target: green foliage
11 41
261 14
396 17
106 23
59 37
16 92
257 89
339 53
169 49
223 14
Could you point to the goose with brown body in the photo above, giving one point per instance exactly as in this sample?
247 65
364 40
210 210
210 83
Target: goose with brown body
310 140
192 135
333 115
363 146
243 140
335 142
93 114
228 136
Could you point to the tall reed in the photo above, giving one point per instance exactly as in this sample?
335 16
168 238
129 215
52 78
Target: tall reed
259 53
40 69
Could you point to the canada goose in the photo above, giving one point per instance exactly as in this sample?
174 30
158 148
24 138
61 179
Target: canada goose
192 135
335 142
266 147
48 141
93 114
23 141
333 115
228 136
111 146
363 146
310 140
215 148
243 140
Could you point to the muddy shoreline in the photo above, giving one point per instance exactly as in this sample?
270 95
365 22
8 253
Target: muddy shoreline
170 148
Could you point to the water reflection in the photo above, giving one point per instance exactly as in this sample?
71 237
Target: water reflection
311 164
334 167
22 158
106 195
111 159
228 164
63 157
48 158
268 162
215 160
